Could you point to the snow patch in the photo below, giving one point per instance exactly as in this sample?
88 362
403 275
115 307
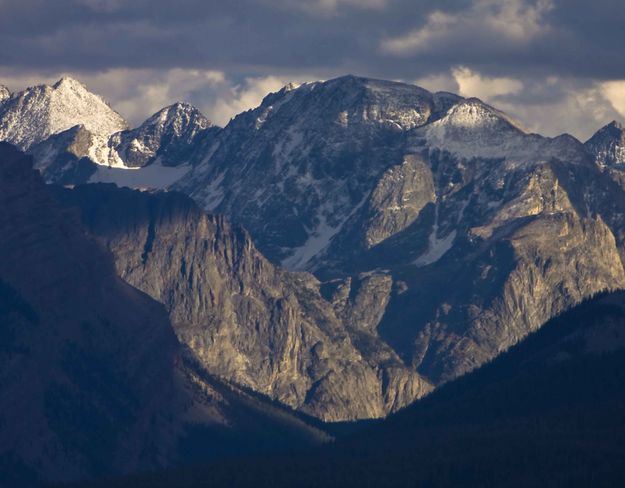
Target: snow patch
152 177
437 248
318 240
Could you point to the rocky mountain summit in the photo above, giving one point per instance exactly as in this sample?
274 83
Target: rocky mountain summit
36 113
314 154
169 135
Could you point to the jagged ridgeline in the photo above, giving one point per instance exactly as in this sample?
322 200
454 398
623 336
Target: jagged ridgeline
438 231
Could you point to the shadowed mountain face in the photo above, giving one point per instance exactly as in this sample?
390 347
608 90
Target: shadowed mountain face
245 319
549 412
93 380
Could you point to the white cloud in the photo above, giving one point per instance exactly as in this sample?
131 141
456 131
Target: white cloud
438 82
517 21
549 106
614 92
438 26
577 110
473 84
238 98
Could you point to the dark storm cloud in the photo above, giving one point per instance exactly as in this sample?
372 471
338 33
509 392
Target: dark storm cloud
581 38
523 45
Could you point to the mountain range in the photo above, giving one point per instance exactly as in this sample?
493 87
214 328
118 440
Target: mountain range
344 249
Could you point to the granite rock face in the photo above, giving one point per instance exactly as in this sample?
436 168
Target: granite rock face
246 320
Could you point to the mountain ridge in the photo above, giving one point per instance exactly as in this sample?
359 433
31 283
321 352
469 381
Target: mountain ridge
422 215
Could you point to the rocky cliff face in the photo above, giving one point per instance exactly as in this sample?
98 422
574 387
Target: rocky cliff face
246 320
93 379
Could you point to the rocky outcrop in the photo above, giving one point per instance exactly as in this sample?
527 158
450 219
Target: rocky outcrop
398 198
246 320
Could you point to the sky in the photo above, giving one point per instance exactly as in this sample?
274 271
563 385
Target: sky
555 65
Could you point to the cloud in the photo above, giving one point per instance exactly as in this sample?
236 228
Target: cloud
554 106
238 98
517 21
472 84
548 105
614 92
439 25
438 82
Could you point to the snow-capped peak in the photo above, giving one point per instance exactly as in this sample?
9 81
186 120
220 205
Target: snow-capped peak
471 128
473 114
69 83
349 101
607 145
179 117
5 94
168 133
36 113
